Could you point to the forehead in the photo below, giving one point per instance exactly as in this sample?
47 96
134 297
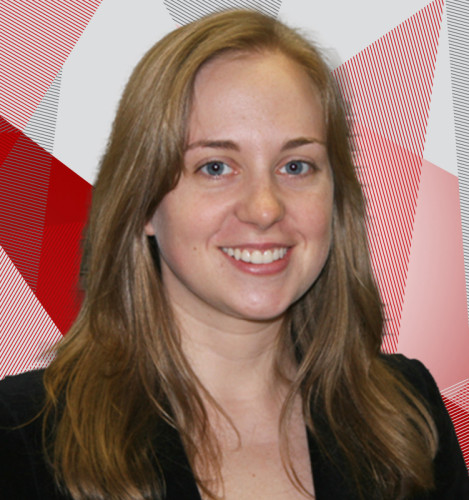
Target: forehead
255 89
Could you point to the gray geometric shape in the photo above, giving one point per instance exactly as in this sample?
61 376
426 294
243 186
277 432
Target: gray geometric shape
41 126
458 36
186 11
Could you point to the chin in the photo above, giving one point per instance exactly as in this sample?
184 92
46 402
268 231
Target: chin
263 312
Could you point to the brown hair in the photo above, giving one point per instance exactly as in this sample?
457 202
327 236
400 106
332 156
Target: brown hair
120 368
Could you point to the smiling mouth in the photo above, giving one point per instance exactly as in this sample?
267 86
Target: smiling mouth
256 256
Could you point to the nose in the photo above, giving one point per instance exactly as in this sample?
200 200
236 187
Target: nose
261 204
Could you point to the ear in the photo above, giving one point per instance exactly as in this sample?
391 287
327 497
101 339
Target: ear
149 229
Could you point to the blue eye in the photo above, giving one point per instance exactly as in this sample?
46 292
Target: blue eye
296 167
216 168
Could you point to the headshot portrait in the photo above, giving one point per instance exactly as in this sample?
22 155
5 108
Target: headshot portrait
232 251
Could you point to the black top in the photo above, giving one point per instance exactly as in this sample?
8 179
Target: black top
24 474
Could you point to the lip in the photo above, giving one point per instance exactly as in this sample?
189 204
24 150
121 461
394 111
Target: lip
260 269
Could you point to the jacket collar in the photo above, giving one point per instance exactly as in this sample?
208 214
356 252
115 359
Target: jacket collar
329 478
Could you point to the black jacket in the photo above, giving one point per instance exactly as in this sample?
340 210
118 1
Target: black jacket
25 476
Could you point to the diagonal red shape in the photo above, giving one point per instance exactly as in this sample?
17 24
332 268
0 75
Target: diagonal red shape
67 210
43 207
388 86
27 331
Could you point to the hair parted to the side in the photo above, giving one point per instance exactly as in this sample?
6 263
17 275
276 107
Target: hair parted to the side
120 368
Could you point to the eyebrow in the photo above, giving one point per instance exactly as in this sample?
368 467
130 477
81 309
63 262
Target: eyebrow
213 144
291 144
301 141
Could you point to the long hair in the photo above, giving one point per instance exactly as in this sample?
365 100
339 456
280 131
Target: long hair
120 369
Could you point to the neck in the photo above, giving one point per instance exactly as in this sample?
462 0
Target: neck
234 362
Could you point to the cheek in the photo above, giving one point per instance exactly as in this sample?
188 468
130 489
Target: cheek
318 225
181 229
319 240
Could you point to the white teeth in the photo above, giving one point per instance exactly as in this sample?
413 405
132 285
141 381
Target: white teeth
256 256
245 256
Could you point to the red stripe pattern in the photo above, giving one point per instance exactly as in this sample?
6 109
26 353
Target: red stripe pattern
43 210
26 328
388 86
24 170
37 37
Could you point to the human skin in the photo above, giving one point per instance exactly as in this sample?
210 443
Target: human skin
255 119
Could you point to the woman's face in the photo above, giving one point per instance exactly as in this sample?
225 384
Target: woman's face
247 229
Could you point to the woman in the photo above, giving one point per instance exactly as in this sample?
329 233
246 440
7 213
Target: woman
228 343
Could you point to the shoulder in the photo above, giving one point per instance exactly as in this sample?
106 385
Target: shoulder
21 383
422 382
451 475
23 469
21 396
415 373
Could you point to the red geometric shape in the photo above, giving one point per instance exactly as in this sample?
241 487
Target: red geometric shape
27 331
43 207
434 314
37 37
67 209
389 87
